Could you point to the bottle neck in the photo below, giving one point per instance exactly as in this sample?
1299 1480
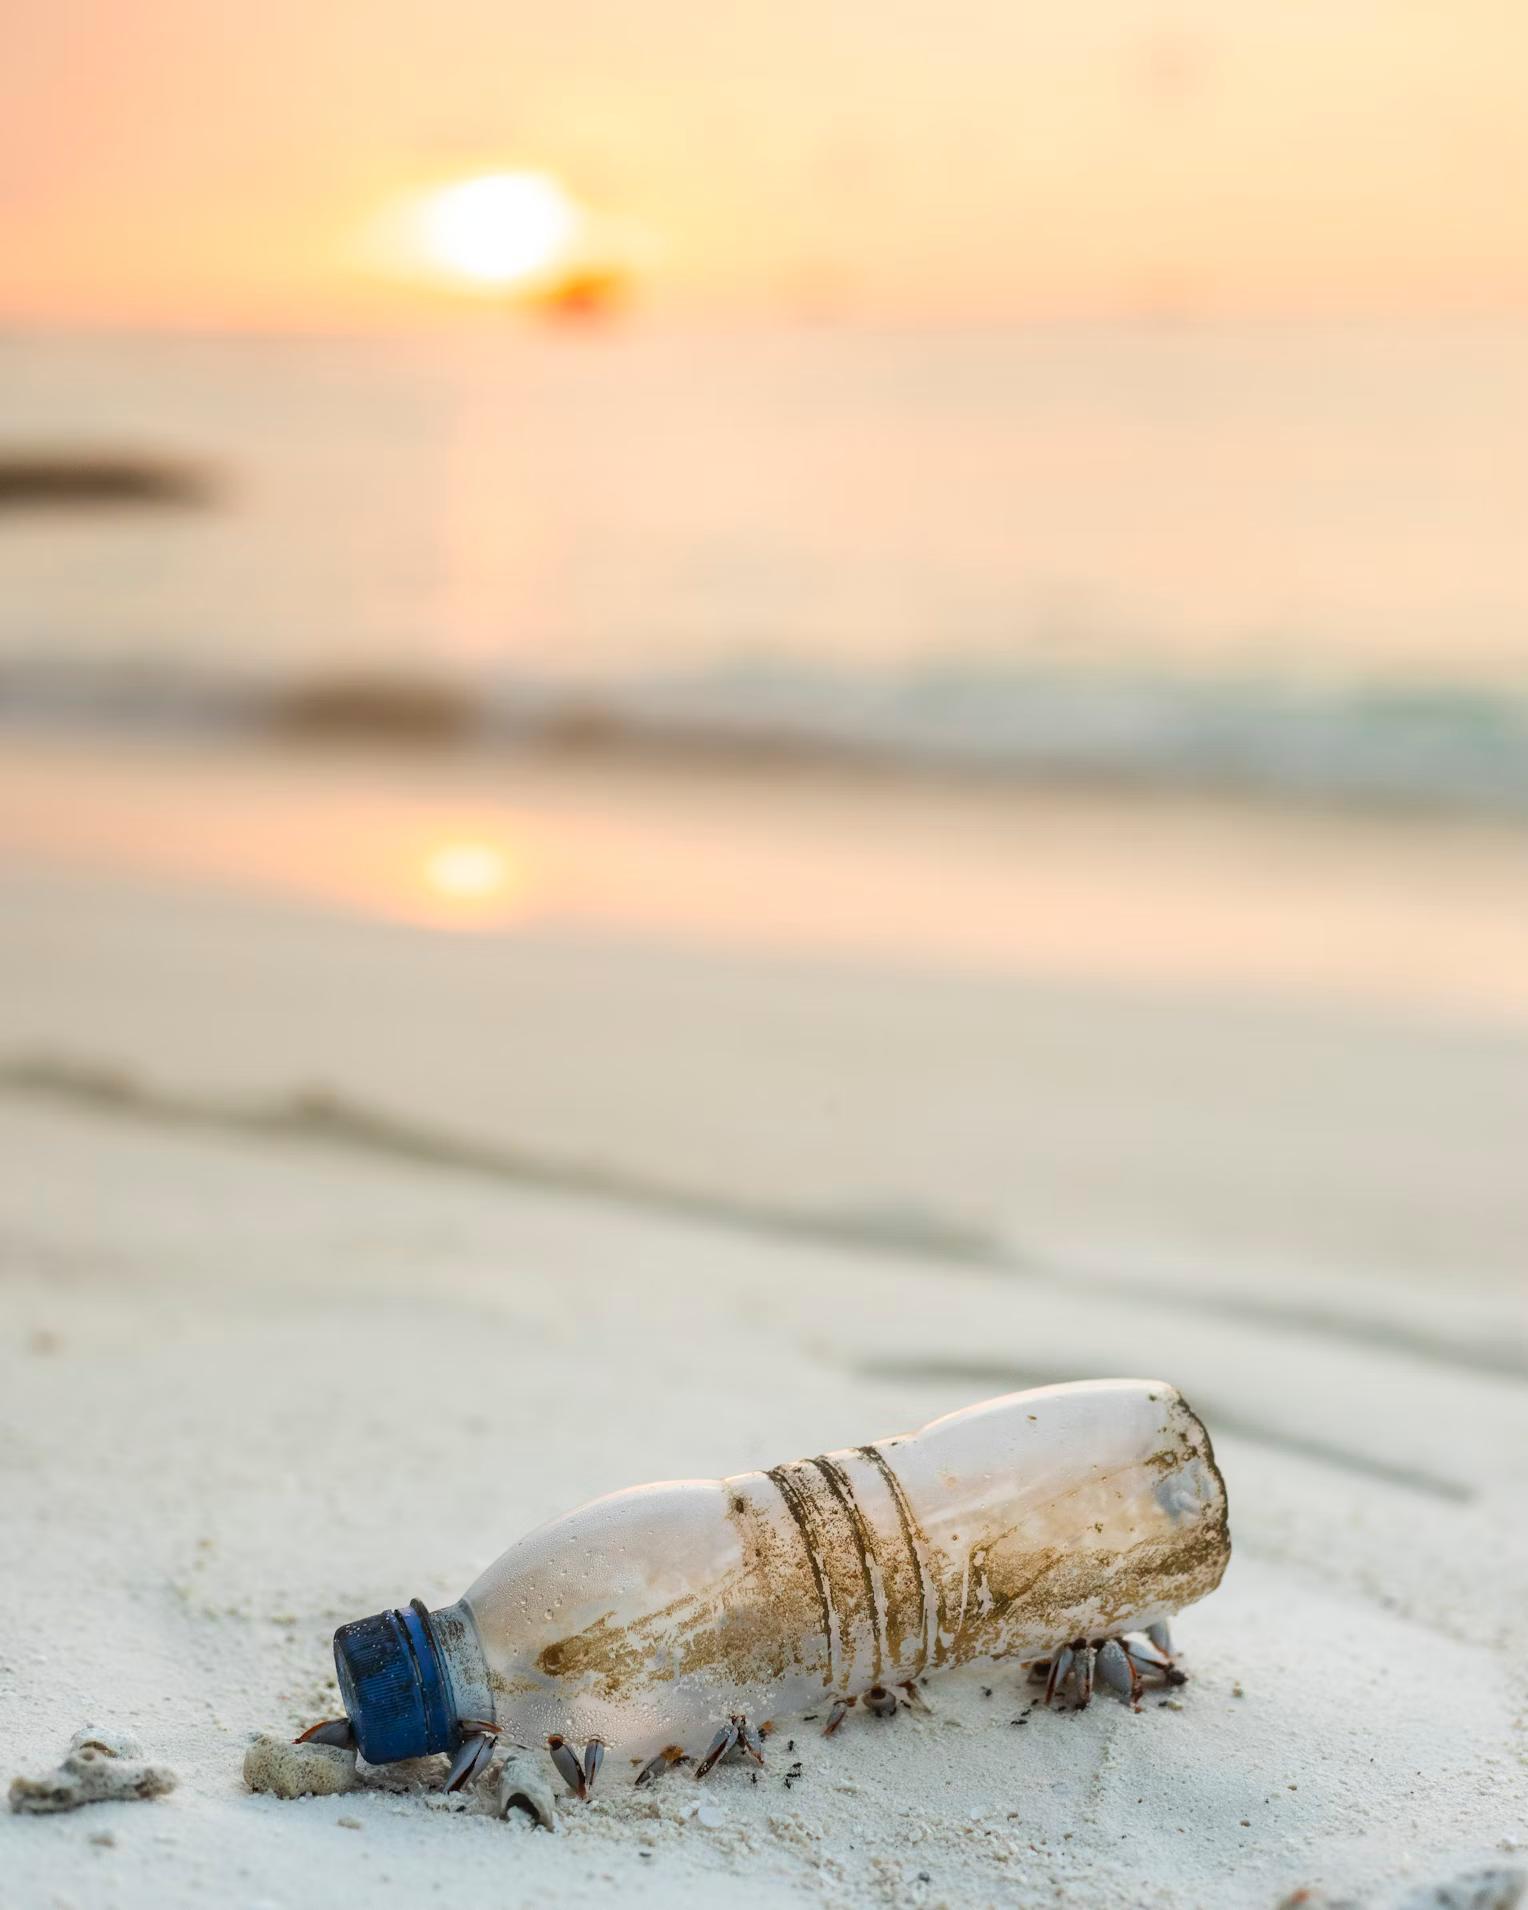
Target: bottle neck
455 1633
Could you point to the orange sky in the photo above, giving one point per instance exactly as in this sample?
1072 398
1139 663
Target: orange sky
220 161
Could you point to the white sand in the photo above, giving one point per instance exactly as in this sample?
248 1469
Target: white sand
261 1372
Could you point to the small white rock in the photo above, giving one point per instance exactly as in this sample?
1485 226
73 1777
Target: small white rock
298 1770
90 1774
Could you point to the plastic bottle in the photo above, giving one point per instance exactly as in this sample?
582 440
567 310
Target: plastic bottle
650 1617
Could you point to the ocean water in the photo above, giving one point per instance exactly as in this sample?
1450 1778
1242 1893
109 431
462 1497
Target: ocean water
1287 557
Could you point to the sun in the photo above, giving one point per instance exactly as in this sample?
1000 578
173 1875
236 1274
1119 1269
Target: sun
501 228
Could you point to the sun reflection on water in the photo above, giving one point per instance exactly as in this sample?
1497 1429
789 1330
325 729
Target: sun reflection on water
467 871
466 882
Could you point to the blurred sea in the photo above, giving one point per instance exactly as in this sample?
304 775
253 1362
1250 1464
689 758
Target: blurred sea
1291 558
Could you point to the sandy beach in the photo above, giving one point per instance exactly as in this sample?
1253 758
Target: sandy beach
723 730
343 1241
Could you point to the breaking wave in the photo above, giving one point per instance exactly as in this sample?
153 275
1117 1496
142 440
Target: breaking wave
1389 743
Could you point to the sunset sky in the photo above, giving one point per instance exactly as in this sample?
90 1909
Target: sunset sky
199 161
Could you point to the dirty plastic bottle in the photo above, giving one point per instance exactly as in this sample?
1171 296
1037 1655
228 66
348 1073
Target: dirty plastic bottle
650 1617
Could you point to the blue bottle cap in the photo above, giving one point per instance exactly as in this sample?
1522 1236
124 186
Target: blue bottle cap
394 1686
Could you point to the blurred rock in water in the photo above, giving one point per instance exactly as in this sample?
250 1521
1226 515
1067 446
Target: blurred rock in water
374 708
94 480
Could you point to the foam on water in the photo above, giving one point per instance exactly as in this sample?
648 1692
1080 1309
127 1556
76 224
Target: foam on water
1429 745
